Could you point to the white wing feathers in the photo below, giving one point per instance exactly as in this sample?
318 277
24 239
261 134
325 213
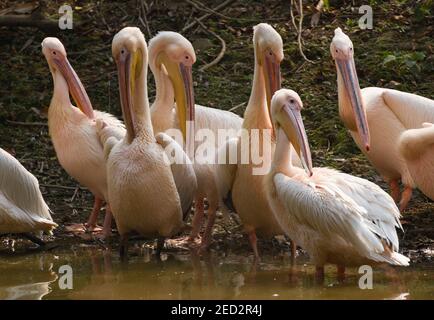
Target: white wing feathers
412 110
115 127
334 203
22 207
182 171
109 130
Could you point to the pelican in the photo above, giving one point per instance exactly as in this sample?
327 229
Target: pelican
377 117
416 147
22 207
169 54
337 218
147 194
246 189
73 130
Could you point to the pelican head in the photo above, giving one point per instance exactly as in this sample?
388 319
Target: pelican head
174 54
342 51
55 53
131 56
286 108
268 54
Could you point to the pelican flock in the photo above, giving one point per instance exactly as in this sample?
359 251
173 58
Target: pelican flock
147 194
148 169
246 189
169 54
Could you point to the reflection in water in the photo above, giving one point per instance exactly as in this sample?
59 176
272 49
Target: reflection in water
99 274
26 277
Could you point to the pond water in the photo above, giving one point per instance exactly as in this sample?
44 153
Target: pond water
99 274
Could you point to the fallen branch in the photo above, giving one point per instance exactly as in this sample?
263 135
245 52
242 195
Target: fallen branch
55 186
237 106
13 20
220 6
222 51
299 29
21 123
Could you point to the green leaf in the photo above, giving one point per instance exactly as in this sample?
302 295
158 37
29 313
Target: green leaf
389 59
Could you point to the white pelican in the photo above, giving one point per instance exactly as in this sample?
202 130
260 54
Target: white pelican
169 53
247 189
376 118
22 207
147 194
337 218
73 130
416 147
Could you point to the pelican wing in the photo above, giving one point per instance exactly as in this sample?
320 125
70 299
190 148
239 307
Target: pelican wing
411 110
115 127
332 204
21 201
215 119
182 170
109 130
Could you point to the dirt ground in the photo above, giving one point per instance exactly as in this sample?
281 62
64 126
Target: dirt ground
397 53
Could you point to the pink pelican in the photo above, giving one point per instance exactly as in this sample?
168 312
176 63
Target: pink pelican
169 54
377 117
147 194
22 207
248 190
336 217
73 131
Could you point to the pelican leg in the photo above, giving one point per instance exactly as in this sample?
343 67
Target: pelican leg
394 189
93 218
319 274
254 243
197 219
293 250
160 246
405 198
107 227
123 248
207 236
341 273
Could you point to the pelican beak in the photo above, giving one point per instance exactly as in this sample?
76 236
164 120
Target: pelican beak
75 86
128 64
292 124
272 77
348 72
182 80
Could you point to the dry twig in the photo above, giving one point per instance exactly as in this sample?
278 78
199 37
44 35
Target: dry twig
144 20
299 28
21 123
222 51
192 24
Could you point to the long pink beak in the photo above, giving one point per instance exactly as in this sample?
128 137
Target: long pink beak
302 143
76 88
347 69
